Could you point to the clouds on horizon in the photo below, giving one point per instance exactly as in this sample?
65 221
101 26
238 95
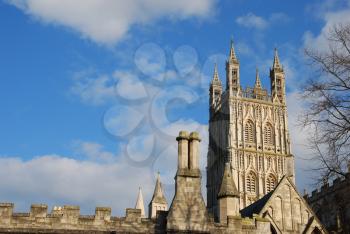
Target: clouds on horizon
59 180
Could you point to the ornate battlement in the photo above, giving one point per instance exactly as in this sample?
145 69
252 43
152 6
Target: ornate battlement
250 93
69 218
326 188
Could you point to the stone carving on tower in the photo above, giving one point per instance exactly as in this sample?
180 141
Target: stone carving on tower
248 128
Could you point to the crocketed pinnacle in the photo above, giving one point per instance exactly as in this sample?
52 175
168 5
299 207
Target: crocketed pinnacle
276 61
232 56
257 79
158 195
216 79
228 187
139 203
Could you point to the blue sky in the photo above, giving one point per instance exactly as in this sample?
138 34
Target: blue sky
94 92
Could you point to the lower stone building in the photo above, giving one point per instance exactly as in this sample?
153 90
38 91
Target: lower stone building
282 210
332 204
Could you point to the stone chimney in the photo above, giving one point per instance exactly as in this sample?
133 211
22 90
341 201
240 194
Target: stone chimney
194 150
187 211
182 140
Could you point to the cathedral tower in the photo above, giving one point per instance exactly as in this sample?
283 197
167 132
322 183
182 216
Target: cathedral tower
248 129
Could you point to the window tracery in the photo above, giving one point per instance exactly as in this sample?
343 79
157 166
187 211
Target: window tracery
251 183
270 183
249 133
268 134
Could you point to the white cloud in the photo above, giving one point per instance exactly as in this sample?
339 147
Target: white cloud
109 21
319 8
319 41
93 88
58 180
129 86
94 151
299 140
101 178
251 20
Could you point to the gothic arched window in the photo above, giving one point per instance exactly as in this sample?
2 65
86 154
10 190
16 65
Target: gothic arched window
268 134
249 134
251 183
270 183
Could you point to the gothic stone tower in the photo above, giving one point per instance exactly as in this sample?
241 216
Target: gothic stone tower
248 129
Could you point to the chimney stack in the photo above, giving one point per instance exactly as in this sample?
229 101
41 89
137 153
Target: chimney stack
182 140
194 150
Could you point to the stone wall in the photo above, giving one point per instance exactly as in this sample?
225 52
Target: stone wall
332 204
68 220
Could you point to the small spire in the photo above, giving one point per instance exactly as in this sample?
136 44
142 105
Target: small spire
228 187
139 203
257 79
158 195
216 79
232 56
276 60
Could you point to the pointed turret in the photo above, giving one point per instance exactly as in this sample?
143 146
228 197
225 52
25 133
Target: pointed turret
228 196
216 80
259 92
277 77
232 56
158 201
139 203
215 90
232 71
257 80
276 61
228 187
